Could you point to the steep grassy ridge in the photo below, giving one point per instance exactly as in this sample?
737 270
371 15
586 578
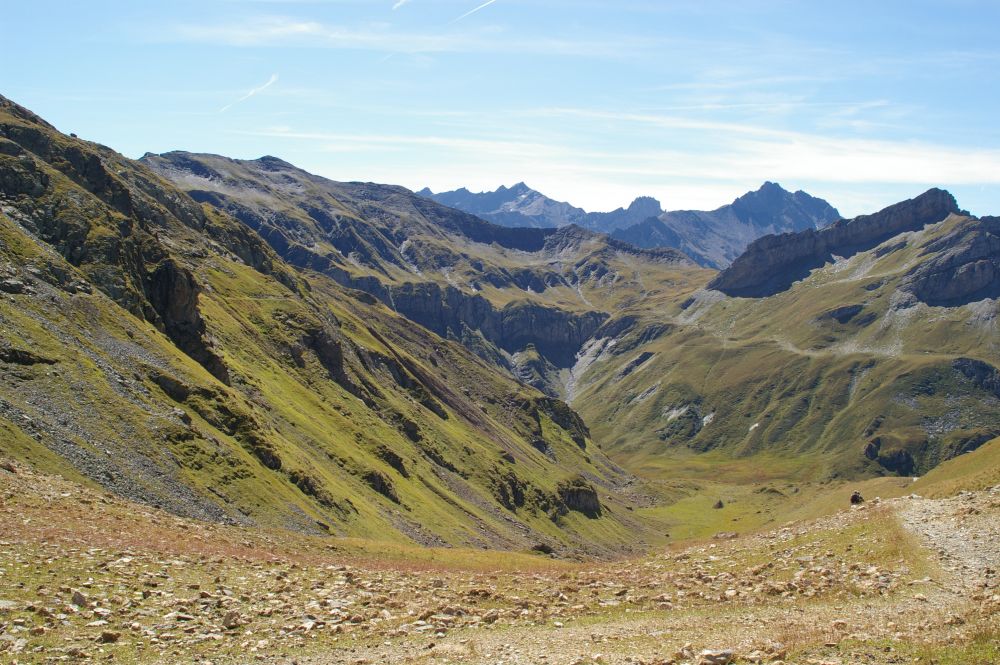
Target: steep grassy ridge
161 349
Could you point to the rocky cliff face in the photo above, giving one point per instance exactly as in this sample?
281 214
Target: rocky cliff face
556 334
965 266
772 263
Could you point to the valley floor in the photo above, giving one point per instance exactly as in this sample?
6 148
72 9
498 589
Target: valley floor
85 577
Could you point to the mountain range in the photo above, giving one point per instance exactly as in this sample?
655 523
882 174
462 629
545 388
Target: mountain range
712 238
243 341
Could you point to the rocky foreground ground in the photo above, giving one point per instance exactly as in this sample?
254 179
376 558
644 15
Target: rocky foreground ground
85 577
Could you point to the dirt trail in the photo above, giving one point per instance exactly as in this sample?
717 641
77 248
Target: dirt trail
963 532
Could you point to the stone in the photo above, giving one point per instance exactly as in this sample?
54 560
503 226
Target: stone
109 637
79 599
720 657
12 286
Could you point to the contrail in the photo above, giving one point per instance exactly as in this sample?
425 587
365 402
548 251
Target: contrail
473 11
271 81
399 3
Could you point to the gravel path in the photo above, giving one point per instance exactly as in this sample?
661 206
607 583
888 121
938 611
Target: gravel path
963 532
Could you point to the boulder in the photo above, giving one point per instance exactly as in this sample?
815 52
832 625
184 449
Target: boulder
720 657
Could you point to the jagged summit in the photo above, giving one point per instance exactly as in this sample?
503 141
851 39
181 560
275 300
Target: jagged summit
645 206
712 238
772 263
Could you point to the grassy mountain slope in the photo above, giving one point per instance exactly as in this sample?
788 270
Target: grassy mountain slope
844 374
973 471
160 348
868 366
523 299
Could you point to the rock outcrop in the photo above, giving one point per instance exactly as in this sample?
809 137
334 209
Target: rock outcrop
557 334
773 263
580 496
965 268
112 235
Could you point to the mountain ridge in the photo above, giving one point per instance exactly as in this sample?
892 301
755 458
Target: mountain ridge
161 349
771 263
714 238
427 261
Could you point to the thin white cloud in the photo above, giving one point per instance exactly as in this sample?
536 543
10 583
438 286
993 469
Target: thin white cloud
473 11
279 31
721 161
399 3
261 88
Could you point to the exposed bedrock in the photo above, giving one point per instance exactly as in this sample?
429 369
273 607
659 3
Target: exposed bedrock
773 263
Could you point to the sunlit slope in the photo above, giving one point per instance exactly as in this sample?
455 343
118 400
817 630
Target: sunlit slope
845 373
161 349
973 471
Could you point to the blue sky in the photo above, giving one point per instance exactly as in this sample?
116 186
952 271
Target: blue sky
590 101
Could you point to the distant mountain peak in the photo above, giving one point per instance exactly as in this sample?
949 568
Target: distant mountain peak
645 205
272 163
713 238
769 191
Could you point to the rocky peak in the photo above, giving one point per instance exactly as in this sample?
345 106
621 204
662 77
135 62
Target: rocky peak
271 163
772 263
645 206
769 192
